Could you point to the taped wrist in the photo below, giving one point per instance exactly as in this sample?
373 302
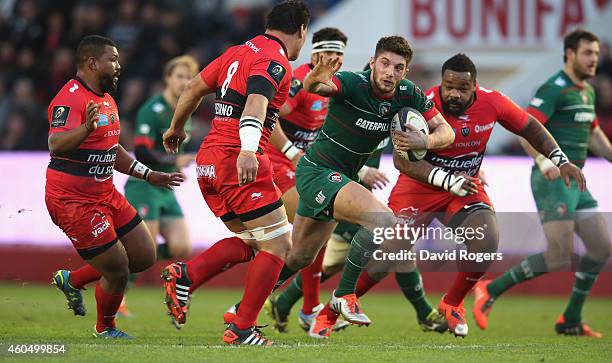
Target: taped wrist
451 183
250 132
544 163
139 170
290 150
558 157
362 172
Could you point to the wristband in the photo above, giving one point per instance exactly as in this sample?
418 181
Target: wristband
290 150
440 178
544 163
250 132
362 172
139 170
558 157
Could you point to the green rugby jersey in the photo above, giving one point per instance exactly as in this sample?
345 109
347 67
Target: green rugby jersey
153 119
357 121
568 112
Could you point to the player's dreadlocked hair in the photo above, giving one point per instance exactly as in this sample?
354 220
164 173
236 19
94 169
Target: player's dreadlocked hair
329 34
91 46
288 17
572 40
460 63
394 44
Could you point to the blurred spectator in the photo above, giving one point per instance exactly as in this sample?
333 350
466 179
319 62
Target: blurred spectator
62 68
25 26
124 31
38 39
14 136
55 33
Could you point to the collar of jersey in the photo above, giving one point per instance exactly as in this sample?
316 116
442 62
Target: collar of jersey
579 86
78 79
276 39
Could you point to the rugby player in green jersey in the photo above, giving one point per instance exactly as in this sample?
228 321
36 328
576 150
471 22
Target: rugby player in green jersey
157 206
331 260
565 105
361 108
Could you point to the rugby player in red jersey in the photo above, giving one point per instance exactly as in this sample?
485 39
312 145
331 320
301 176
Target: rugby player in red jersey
301 118
445 184
251 82
79 193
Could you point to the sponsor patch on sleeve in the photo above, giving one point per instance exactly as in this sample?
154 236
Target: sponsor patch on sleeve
276 71
296 86
59 116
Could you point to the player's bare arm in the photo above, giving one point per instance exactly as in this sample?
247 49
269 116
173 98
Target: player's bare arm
126 164
187 103
151 156
67 141
254 112
599 144
425 172
281 142
319 80
543 142
548 169
441 134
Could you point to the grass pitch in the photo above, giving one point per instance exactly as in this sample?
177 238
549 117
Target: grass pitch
521 330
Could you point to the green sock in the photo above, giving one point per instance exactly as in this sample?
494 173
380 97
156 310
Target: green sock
131 281
163 253
284 275
531 267
586 274
290 296
362 247
411 284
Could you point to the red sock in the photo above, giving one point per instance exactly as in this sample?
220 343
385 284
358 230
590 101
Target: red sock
311 281
216 259
260 281
464 281
364 284
107 305
83 276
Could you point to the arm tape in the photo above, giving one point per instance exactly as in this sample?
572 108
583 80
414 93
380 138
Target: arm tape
250 132
290 150
139 170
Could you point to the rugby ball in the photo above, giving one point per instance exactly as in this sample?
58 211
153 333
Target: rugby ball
410 116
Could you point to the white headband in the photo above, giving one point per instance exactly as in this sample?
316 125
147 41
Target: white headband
328 46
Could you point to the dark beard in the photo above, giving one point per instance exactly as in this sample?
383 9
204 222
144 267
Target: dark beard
579 74
461 110
451 112
106 83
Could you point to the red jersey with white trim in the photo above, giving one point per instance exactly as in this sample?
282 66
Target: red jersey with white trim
264 56
87 172
308 112
473 129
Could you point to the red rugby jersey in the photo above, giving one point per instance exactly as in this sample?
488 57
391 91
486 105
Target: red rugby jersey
473 128
308 112
265 56
87 172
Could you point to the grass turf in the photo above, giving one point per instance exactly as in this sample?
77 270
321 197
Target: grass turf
521 329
